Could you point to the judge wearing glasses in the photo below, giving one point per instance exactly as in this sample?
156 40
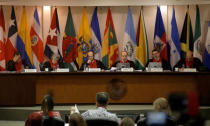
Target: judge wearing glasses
92 63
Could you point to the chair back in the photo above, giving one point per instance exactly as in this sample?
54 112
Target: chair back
101 122
52 121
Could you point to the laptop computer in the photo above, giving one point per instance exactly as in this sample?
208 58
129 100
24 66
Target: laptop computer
155 65
123 65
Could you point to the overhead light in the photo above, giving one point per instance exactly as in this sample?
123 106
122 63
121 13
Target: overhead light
164 8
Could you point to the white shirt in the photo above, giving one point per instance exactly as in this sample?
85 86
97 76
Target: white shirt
100 113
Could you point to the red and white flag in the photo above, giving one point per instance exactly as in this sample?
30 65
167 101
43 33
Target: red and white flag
2 41
10 47
36 41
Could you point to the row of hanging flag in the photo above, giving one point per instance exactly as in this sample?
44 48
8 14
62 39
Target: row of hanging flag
74 48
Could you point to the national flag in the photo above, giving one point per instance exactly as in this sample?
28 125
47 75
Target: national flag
197 52
10 47
53 38
24 40
129 42
2 41
186 36
207 49
109 45
160 42
84 39
142 52
96 36
175 50
69 46
36 41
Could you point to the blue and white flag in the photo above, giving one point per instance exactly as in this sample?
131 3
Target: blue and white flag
175 51
96 36
129 41
207 49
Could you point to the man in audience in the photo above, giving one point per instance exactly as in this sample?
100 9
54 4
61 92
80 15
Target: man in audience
188 62
16 63
100 112
52 64
92 63
156 58
124 59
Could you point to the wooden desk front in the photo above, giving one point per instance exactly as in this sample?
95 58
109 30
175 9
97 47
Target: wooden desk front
80 87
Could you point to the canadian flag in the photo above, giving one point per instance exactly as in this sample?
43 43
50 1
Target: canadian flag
2 41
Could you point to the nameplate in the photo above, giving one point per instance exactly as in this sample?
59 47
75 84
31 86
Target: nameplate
30 70
156 69
94 70
189 70
62 70
127 69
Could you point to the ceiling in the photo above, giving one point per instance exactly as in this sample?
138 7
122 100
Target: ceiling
101 2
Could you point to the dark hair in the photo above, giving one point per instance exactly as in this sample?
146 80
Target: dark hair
47 104
102 98
77 120
155 49
91 51
16 53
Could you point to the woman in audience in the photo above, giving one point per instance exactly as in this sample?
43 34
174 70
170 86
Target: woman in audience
160 105
76 120
35 119
127 122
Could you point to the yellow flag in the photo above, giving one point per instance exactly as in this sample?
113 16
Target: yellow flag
24 40
142 55
84 39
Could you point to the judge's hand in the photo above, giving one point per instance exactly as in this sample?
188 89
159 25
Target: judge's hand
89 61
181 69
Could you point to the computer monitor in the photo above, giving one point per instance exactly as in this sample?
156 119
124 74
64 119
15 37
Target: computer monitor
155 65
123 65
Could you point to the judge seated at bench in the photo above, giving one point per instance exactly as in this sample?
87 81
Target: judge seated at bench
124 60
92 63
188 62
52 64
157 59
16 64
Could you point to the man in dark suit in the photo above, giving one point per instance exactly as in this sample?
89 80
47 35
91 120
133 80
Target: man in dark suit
156 58
188 62
124 59
52 64
92 63
16 64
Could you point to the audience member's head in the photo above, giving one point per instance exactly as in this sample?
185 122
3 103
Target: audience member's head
127 122
47 104
17 57
35 119
155 54
124 56
161 105
76 120
102 99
